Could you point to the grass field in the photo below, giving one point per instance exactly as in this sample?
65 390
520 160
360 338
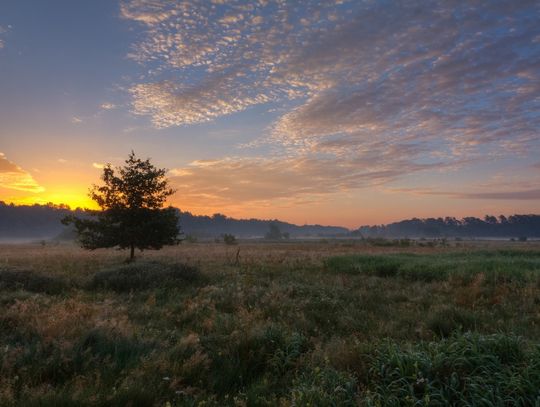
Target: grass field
308 323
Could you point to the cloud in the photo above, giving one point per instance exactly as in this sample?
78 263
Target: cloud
108 106
507 195
531 194
145 11
379 89
14 177
98 165
76 120
3 30
465 74
223 56
260 180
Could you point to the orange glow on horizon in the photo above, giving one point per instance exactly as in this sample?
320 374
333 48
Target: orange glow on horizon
71 200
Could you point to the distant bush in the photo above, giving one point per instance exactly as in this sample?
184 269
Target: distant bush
191 239
383 242
30 281
274 232
144 275
229 239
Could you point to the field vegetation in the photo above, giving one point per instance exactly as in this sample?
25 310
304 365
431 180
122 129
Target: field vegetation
336 323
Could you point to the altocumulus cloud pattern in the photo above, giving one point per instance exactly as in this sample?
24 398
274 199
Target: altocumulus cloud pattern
370 90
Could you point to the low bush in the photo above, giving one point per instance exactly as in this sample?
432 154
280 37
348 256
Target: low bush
30 281
229 239
142 276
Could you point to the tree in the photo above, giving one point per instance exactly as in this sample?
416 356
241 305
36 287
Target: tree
229 239
132 213
274 233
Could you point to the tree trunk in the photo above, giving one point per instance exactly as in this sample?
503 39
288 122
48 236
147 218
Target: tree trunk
132 253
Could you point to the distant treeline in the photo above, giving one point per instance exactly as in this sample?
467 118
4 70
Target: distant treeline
218 224
43 222
518 226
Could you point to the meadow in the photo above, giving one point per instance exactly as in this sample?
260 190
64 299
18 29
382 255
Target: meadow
321 323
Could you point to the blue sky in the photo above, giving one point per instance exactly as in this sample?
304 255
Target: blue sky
343 112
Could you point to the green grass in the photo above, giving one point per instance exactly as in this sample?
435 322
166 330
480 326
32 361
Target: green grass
503 266
418 329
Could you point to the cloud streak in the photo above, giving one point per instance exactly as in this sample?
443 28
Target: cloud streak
506 195
256 180
14 177
2 32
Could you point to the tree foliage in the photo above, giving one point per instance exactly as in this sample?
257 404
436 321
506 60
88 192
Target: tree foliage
132 214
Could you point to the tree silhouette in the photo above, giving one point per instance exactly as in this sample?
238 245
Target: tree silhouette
132 214
274 233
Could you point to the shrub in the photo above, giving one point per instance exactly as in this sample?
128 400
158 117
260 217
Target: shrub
141 276
229 239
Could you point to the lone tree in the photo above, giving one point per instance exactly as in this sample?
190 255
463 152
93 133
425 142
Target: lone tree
274 233
132 214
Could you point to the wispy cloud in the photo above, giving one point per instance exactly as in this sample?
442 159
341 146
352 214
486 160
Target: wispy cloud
76 120
507 195
108 106
3 31
253 180
14 177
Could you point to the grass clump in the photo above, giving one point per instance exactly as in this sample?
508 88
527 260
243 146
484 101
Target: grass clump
144 276
324 387
240 360
30 281
465 370
451 319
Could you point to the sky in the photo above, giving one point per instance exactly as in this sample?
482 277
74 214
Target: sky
343 113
